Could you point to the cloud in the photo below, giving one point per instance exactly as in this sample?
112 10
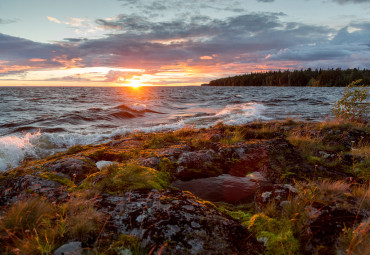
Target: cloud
7 21
53 20
181 7
350 1
196 44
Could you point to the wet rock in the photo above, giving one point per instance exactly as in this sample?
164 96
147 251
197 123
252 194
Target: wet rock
72 248
179 221
223 188
76 168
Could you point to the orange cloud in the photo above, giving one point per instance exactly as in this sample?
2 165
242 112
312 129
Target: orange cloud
14 68
68 63
37 60
206 57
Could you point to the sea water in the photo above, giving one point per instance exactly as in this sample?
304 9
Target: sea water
39 121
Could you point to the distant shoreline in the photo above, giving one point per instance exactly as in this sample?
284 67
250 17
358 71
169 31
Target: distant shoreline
296 78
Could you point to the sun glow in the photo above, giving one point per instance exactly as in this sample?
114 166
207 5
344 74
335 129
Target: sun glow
135 84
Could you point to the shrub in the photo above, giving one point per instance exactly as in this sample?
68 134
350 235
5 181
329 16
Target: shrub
353 105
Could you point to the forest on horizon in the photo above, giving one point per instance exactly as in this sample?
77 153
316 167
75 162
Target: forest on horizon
301 78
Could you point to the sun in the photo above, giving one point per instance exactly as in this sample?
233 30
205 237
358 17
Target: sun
134 84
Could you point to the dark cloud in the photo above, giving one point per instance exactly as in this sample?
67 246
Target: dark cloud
178 6
197 41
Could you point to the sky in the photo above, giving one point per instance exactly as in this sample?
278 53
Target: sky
175 42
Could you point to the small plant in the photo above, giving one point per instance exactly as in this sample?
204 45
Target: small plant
277 235
353 105
127 244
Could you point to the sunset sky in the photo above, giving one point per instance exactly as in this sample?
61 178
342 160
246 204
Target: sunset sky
175 42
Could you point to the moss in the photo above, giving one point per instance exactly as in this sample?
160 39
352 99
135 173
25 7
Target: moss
166 165
75 149
55 177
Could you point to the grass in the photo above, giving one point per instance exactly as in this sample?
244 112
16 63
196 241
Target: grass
131 176
355 240
160 140
26 228
200 141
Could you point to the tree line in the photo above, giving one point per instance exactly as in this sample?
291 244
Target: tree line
312 78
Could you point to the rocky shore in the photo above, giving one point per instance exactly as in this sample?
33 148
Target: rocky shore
267 187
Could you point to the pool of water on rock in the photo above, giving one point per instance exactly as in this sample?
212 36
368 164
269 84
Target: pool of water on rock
223 188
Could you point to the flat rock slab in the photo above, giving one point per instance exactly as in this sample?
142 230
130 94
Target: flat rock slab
179 221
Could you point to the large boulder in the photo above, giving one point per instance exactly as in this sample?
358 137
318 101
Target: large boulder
177 221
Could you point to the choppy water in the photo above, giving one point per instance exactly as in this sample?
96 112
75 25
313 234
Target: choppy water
37 121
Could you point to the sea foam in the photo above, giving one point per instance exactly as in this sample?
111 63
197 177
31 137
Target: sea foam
13 149
238 114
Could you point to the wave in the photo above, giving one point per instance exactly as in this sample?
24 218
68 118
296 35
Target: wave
238 114
139 108
15 149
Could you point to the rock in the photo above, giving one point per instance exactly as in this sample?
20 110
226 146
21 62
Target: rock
102 163
325 229
198 164
173 151
179 221
269 157
23 187
152 162
277 193
72 248
76 168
